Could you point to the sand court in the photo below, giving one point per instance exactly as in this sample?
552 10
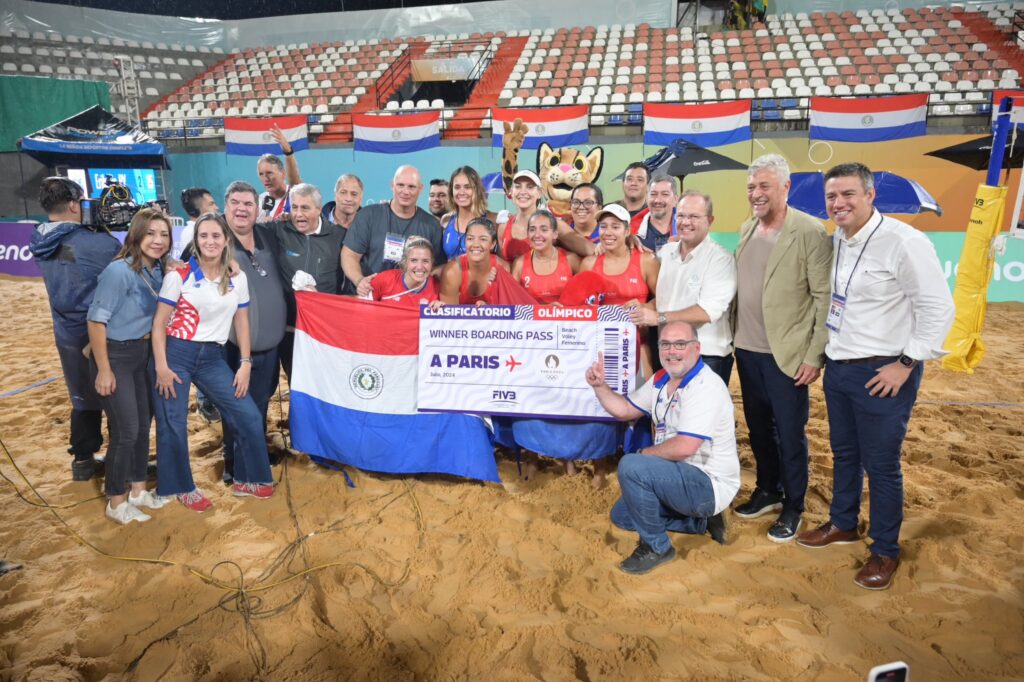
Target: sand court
431 577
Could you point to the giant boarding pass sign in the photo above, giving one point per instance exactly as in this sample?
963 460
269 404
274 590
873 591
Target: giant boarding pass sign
525 361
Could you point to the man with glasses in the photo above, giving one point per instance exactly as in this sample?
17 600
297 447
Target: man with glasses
255 251
584 202
782 286
696 283
71 256
689 476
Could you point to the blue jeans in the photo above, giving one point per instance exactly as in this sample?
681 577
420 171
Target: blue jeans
776 413
659 495
263 380
866 434
204 364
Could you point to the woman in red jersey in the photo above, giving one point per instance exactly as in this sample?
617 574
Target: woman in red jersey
465 279
545 270
411 284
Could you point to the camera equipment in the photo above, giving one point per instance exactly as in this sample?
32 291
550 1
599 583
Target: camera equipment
116 206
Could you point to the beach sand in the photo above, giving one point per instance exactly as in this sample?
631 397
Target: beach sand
431 577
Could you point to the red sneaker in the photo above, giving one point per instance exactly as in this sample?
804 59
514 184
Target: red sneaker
261 491
195 501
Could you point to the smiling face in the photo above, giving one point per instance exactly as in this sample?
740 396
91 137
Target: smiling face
348 198
156 242
634 185
848 204
210 239
612 233
240 212
767 195
525 194
479 243
661 197
677 362
541 233
438 200
406 187
584 206
272 178
463 193
305 213
692 221
418 264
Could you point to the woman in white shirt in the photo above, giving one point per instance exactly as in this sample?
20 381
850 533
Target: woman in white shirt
198 304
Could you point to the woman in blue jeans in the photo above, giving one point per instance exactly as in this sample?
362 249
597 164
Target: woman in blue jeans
119 322
198 305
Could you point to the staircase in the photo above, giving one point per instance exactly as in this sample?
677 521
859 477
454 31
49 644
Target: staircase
465 125
340 130
1003 44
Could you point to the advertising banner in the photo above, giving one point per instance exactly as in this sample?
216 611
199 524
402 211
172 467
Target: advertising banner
522 360
453 69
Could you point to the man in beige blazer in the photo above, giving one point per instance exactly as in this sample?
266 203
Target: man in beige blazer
782 297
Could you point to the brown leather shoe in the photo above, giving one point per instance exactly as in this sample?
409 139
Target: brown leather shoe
877 573
826 534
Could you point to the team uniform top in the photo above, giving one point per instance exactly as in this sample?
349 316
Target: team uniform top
627 285
546 288
389 285
701 407
512 248
464 297
200 312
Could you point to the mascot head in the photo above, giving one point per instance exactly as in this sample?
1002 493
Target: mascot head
562 169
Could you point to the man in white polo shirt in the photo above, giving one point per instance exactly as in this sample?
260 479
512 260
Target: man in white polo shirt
890 311
696 283
689 476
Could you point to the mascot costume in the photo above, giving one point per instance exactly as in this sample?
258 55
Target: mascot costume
560 170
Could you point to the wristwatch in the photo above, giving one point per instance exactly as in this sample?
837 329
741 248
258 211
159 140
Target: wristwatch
907 361
662 319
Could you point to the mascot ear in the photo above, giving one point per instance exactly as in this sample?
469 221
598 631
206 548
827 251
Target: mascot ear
595 160
544 154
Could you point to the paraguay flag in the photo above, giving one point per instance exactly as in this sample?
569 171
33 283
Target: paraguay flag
558 126
706 125
353 394
396 133
1016 103
251 136
869 119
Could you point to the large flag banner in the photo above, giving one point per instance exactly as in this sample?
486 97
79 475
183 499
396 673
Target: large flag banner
251 136
869 119
523 360
706 125
353 394
558 126
396 133
1017 104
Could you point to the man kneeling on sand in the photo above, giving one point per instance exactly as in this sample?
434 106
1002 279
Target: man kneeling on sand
689 476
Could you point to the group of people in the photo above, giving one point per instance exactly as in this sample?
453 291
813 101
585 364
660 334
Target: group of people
868 304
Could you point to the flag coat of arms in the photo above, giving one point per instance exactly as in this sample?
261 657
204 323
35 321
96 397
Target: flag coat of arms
353 394
558 126
251 136
705 125
869 119
396 133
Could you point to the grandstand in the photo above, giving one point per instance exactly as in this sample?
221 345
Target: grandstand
956 56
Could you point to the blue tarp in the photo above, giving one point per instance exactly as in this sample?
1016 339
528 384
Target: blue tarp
894 194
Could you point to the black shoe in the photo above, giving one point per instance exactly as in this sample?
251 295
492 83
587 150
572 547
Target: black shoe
760 503
644 559
83 469
716 528
208 411
229 472
785 527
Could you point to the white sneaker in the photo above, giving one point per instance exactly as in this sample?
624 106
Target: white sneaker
148 499
125 513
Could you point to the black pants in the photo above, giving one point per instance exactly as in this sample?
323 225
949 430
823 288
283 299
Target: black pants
720 365
86 412
776 412
129 413
285 349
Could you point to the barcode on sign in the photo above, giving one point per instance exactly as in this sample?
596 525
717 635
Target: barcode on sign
612 358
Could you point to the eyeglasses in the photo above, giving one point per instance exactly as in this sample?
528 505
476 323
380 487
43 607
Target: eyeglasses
676 345
576 203
690 217
260 270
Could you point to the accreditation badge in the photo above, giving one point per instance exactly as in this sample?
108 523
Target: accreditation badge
393 244
835 312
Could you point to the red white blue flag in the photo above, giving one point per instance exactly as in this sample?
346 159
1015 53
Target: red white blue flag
396 133
705 125
353 394
869 119
558 126
251 136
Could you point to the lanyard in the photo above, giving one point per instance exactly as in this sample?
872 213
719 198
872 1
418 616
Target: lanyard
835 268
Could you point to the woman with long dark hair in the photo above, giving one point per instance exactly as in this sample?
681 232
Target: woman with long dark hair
465 279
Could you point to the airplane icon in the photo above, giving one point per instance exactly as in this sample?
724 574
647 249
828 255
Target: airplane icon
511 363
